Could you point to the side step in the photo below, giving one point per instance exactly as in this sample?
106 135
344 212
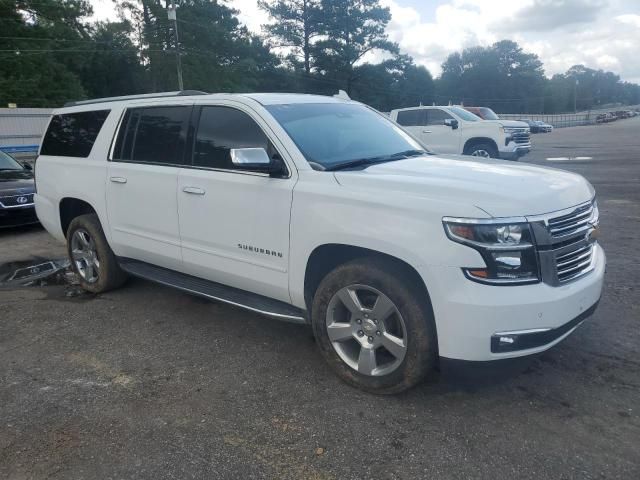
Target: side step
215 291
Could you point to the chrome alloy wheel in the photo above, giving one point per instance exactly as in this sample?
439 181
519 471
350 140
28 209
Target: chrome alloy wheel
481 153
85 256
366 330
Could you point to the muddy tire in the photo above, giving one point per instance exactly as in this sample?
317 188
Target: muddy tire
91 258
374 326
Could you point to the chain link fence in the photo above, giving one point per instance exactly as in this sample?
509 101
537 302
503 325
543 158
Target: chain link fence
567 119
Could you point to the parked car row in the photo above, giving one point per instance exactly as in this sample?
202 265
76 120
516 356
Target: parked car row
538 126
618 115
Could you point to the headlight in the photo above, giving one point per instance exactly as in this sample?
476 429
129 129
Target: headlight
506 247
512 130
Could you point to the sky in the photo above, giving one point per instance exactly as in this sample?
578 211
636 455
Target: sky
601 34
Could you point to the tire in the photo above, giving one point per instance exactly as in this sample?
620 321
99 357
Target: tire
411 322
475 148
91 258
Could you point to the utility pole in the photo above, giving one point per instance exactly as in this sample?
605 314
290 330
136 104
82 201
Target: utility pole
575 96
171 12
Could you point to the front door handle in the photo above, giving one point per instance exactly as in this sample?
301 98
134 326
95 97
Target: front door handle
426 131
193 190
118 179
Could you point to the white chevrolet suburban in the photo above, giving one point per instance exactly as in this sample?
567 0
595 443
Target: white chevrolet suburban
456 130
320 210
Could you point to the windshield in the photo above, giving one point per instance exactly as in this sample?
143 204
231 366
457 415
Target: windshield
488 114
8 163
330 134
464 114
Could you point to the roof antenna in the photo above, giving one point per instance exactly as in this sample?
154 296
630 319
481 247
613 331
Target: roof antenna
343 95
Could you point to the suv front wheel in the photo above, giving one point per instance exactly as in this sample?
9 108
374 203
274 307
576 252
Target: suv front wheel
91 258
485 150
374 327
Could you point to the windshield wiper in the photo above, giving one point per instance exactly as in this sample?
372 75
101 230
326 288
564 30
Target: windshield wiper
361 162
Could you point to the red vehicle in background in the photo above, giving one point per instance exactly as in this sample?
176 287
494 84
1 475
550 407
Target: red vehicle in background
483 112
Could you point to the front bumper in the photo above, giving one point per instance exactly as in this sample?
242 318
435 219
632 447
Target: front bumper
469 315
18 216
515 153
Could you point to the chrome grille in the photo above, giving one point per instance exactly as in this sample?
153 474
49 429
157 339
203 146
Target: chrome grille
574 263
521 136
582 218
565 247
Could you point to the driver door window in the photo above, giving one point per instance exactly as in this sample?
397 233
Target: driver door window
219 130
437 117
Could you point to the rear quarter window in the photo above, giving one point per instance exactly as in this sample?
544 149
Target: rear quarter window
73 134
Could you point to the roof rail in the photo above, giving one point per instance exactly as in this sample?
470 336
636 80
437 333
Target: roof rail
135 97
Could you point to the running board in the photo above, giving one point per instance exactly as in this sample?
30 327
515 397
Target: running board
214 291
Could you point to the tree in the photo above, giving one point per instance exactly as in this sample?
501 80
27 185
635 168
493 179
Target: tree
218 53
501 76
42 50
114 66
296 24
353 28
394 83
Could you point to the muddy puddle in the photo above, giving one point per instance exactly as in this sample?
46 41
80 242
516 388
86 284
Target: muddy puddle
42 272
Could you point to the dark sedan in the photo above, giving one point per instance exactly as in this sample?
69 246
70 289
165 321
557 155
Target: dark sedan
16 193
533 126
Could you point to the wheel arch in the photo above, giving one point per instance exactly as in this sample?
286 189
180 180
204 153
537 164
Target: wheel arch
324 258
478 140
70 208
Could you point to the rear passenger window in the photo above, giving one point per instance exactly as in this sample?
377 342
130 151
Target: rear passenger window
73 134
222 128
153 135
412 118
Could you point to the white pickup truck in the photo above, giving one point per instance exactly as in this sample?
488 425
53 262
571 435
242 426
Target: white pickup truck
320 210
455 130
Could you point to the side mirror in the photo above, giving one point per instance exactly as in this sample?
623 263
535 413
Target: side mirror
257 159
250 158
451 122
27 166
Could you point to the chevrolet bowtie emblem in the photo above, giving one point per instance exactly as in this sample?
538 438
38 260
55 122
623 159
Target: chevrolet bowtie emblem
594 234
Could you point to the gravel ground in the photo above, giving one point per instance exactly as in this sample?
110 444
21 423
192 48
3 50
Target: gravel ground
147 382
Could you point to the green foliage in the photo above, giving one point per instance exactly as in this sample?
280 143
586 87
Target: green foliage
394 83
42 47
352 29
502 77
296 25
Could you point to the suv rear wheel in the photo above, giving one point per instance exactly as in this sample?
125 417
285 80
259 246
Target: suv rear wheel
91 257
374 327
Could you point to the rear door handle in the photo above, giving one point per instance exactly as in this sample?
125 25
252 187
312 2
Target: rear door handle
118 179
193 190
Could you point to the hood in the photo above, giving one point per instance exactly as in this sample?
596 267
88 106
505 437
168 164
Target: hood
512 123
16 182
500 188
